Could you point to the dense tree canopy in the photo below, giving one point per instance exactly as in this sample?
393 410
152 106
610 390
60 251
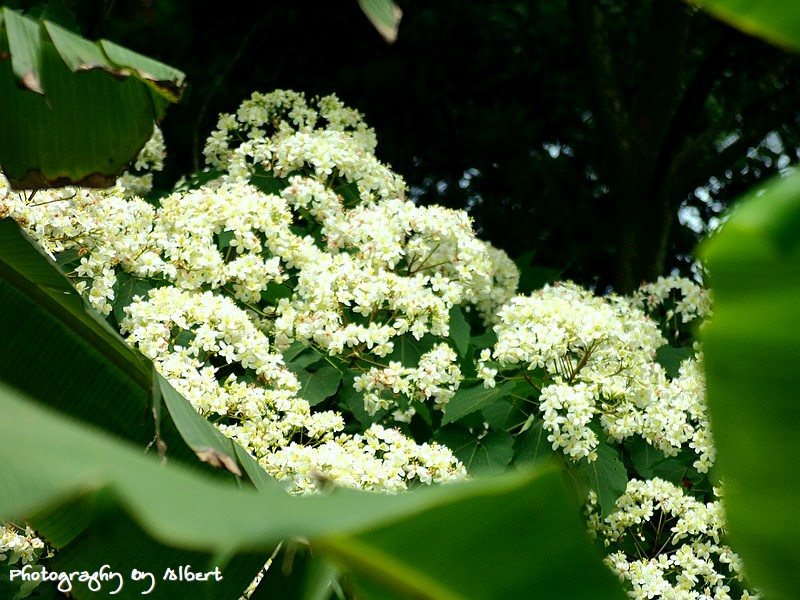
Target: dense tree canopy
574 130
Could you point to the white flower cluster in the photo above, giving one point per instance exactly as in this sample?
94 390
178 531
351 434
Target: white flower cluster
435 377
17 544
351 277
138 180
674 301
184 332
105 229
668 545
595 359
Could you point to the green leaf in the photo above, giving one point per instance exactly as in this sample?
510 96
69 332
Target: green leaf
470 399
516 519
531 446
533 277
165 80
210 445
606 476
275 291
224 238
408 349
777 21
126 288
459 330
295 574
485 340
318 385
24 45
267 182
488 454
543 557
752 349
35 276
671 358
115 101
384 15
91 373
353 401
308 356
504 413
77 53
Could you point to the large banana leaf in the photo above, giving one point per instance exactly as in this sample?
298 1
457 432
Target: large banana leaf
518 536
752 349
60 351
777 21
75 112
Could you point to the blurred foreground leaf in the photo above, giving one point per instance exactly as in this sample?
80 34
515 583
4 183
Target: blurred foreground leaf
752 353
469 540
777 21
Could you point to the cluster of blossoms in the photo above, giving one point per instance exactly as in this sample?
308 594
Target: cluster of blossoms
138 180
329 253
303 244
668 545
676 302
19 544
595 360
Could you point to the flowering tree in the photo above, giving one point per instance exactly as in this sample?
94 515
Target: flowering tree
342 336
291 320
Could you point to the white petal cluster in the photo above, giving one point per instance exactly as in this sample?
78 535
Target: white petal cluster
19 545
138 180
597 354
675 301
234 266
668 545
186 333
105 229
436 378
596 358
380 459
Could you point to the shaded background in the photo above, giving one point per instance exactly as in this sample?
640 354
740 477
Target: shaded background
600 138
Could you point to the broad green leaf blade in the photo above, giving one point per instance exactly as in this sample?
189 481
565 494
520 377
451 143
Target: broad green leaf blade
305 358
25 47
752 352
96 116
531 276
84 132
25 267
459 330
606 476
48 459
126 288
671 358
489 454
168 82
57 349
293 575
531 446
777 21
384 15
353 401
319 385
210 445
408 349
468 400
79 54
41 356
538 556
115 540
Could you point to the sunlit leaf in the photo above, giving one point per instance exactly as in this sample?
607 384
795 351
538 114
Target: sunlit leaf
752 349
